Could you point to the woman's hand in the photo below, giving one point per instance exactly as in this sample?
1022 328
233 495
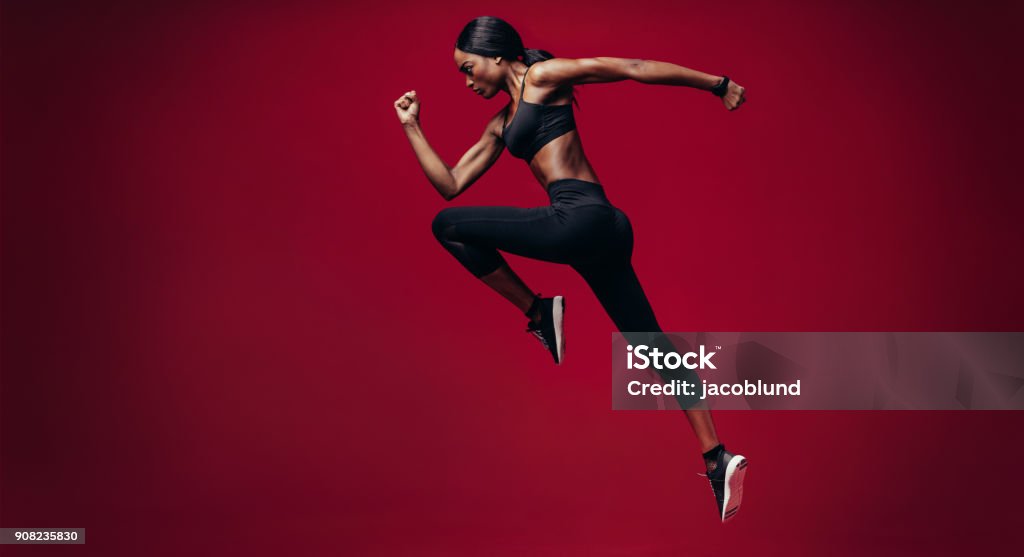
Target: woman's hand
735 95
408 108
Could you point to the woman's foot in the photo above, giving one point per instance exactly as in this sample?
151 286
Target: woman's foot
726 475
547 324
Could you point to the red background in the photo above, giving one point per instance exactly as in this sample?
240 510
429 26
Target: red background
227 327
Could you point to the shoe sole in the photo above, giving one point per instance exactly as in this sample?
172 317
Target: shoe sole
558 315
734 475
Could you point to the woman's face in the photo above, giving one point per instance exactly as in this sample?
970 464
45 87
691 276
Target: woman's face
483 75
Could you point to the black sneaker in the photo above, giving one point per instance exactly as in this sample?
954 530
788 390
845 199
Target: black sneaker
550 330
727 483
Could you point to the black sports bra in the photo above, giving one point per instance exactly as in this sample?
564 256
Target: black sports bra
535 125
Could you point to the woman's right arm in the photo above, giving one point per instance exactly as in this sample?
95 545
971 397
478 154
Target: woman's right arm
449 181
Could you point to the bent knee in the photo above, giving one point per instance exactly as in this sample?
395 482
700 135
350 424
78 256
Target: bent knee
443 225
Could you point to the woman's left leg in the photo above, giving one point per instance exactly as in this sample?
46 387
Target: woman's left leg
617 287
620 293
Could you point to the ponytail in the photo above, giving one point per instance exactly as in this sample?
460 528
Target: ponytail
493 36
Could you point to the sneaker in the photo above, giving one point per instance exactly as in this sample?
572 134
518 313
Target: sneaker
550 331
727 483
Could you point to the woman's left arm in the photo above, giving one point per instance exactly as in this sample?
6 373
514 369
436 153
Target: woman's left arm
568 71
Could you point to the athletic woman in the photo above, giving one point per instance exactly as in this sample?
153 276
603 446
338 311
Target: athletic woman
580 227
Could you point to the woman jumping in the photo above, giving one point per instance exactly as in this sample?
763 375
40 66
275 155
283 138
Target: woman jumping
580 227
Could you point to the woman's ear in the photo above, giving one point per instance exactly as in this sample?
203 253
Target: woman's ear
497 60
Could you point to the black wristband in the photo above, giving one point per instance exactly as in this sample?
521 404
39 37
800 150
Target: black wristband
720 89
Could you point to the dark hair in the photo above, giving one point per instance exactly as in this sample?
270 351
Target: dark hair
493 36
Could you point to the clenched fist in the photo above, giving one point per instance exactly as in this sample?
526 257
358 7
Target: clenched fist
735 95
408 108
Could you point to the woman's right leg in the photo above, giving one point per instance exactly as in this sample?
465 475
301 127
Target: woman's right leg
475 234
506 282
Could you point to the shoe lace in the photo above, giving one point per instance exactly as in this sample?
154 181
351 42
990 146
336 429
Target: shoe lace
539 335
712 482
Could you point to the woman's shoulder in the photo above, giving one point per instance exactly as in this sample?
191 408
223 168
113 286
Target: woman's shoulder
550 93
550 72
535 74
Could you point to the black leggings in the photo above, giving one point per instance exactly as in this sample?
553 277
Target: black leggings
580 228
